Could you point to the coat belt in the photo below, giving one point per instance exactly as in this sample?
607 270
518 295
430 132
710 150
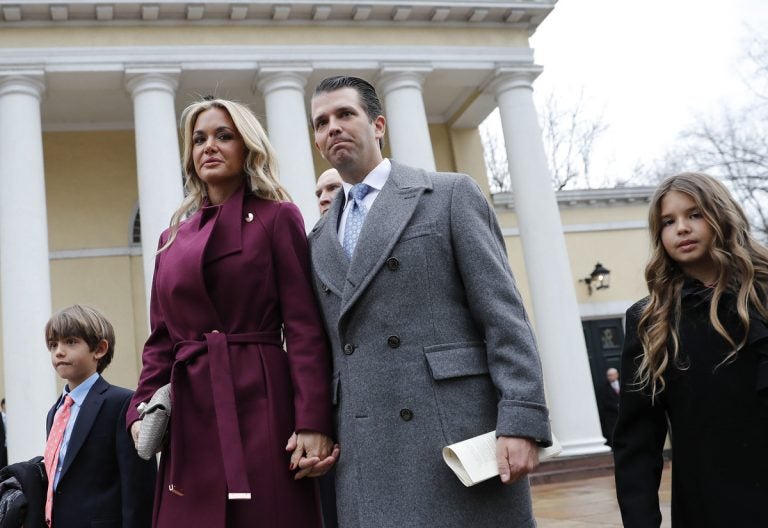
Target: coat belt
224 403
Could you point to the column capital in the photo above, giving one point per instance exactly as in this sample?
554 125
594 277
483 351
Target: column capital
138 80
510 77
396 76
23 81
279 76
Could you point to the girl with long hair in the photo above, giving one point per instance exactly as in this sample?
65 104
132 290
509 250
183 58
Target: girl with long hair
236 331
695 365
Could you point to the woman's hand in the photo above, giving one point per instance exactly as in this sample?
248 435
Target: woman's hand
314 454
135 426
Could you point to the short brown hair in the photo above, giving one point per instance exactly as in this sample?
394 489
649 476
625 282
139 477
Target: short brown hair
88 324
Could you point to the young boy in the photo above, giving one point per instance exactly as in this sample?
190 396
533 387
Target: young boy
95 476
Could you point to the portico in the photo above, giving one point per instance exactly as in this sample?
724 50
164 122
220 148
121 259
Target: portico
84 68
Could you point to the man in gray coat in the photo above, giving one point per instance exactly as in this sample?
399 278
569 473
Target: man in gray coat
431 343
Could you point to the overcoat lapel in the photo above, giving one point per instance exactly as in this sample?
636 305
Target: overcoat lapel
227 235
212 233
85 419
385 222
329 260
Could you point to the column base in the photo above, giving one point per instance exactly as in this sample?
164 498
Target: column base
587 446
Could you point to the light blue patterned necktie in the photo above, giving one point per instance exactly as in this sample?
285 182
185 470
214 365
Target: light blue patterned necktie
355 218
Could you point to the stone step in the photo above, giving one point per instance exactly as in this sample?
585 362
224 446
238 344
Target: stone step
573 468
564 469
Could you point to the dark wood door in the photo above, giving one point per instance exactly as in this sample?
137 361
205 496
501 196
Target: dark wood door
605 340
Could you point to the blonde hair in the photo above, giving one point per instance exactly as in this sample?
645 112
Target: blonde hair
88 324
741 267
259 170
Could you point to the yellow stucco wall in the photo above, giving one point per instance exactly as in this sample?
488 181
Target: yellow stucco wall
624 252
468 155
91 188
442 148
106 284
91 191
261 35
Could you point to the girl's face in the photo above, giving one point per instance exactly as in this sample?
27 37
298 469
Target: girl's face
218 152
686 236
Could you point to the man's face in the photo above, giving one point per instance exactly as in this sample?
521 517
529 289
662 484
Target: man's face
612 375
328 184
344 135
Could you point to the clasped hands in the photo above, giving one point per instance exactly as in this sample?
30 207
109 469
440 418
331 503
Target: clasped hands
313 454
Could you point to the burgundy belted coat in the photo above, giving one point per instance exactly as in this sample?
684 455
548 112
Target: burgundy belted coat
236 279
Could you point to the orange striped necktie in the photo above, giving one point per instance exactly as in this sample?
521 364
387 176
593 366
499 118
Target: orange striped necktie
52 447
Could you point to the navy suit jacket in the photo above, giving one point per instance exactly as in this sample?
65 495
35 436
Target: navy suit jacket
103 481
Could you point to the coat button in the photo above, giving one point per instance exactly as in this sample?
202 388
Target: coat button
349 349
325 288
406 415
393 341
393 263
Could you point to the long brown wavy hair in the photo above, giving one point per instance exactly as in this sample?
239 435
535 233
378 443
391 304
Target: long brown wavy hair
259 170
741 267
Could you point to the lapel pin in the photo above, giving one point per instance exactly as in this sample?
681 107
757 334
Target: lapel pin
249 217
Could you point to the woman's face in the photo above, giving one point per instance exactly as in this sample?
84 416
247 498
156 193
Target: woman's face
218 153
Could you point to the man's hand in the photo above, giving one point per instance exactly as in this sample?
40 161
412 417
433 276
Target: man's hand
516 457
135 426
313 454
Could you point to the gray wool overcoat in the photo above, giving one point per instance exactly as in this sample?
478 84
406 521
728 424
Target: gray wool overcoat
431 345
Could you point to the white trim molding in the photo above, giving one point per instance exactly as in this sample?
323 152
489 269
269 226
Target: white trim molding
589 228
587 197
524 14
250 58
66 254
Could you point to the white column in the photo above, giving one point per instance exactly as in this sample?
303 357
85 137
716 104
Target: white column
570 395
408 129
30 386
288 124
158 160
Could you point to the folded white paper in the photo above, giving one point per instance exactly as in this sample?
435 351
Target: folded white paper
474 460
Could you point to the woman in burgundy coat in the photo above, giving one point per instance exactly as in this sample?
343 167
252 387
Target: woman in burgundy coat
231 283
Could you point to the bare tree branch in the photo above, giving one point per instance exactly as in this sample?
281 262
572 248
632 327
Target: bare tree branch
732 145
569 133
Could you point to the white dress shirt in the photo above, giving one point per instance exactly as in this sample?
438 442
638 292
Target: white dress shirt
376 180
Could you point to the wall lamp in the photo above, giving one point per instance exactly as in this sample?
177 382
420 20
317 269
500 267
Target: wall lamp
600 277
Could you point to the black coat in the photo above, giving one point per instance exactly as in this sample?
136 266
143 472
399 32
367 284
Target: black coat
27 507
103 481
718 422
608 405
3 449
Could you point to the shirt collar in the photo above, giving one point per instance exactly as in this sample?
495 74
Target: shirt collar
375 179
82 390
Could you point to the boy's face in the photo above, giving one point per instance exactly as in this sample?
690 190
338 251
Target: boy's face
73 360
